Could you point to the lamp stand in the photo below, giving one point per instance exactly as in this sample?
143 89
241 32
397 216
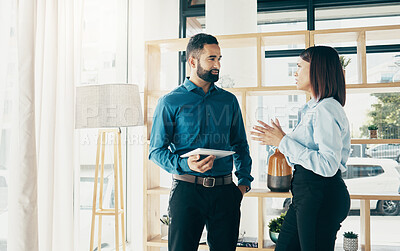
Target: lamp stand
118 184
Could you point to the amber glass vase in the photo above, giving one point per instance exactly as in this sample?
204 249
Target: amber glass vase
279 173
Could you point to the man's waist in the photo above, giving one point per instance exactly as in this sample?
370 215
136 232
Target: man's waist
206 181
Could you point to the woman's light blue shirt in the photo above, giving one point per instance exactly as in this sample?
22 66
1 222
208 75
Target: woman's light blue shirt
321 140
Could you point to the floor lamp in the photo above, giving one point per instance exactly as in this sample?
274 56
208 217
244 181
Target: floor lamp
108 107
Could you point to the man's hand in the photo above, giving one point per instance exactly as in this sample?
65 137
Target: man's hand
242 189
200 166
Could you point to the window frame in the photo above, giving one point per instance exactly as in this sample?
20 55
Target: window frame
187 10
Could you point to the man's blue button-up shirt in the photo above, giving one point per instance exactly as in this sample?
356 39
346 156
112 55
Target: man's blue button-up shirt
187 118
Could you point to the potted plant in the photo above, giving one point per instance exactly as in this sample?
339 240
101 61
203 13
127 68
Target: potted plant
344 62
275 225
164 225
373 131
350 241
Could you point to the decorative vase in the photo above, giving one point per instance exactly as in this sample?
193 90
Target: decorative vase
373 134
279 173
350 244
273 236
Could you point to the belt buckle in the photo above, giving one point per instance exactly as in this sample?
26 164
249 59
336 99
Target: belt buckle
205 181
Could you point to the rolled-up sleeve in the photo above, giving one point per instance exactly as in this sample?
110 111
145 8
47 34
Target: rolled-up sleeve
238 139
325 160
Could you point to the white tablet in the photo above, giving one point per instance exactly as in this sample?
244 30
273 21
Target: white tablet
203 151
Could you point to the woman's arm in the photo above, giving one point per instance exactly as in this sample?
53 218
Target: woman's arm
327 136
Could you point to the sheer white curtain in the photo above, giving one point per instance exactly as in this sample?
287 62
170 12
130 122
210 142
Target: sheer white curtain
42 142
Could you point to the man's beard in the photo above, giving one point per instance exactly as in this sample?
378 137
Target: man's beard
207 75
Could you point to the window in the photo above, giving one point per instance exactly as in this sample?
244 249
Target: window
279 110
383 67
292 121
362 108
10 72
86 192
279 71
292 98
292 68
104 60
282 21
195 25
386 151
196 2
4 199
381 109
359 171
345 17
265 108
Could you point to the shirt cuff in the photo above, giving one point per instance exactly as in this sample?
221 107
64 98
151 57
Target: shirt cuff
284 149
184 165
244 182
283 145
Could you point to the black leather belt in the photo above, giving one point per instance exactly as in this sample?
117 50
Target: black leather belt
205 181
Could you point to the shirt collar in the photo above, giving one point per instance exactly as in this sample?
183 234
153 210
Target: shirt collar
312 103
190 86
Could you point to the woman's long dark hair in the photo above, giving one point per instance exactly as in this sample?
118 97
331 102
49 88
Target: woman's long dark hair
326 73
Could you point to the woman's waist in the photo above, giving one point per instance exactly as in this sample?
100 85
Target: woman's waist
301 173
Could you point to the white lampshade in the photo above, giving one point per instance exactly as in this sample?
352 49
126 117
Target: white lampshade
108 105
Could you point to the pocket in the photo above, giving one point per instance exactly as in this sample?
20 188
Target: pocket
174 188
239 194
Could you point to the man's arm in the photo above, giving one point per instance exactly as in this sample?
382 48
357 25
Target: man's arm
238 141
161 136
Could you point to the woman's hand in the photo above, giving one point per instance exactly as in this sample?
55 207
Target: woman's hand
268 135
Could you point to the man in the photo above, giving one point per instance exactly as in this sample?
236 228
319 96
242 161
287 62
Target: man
198 114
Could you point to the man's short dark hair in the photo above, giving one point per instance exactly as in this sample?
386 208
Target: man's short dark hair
197 42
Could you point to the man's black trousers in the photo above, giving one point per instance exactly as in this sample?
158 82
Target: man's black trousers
193 206
319 206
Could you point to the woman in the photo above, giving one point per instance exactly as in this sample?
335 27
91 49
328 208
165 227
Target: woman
318 149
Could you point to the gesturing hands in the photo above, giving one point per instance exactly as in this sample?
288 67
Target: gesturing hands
200 166
268 135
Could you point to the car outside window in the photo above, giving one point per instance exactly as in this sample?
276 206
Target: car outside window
359 171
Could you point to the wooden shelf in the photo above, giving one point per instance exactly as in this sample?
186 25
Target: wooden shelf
158 190
265 193
375 196
351 34
375 141
292 89
256 192
253 193
107 211
287 37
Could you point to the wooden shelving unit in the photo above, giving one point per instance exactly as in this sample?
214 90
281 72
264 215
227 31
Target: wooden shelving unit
259 42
